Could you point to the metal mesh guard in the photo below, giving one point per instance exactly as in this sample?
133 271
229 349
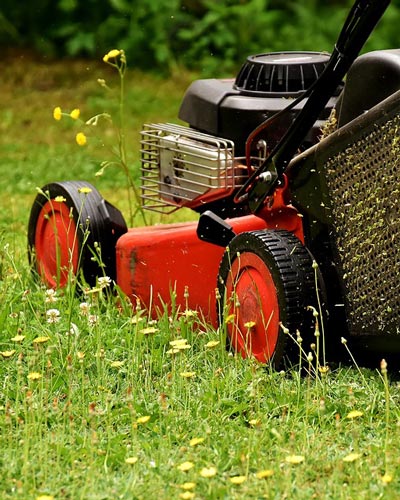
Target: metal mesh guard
364 181
180 165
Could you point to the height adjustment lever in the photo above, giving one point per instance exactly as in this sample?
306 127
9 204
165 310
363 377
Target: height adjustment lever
212 229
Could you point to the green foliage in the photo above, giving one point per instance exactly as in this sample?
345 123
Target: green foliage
196 33
386 35
226 33
144 29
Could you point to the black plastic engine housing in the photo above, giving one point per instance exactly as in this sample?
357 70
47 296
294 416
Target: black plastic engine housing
266 83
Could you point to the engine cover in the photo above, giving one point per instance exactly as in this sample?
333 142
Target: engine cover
232 109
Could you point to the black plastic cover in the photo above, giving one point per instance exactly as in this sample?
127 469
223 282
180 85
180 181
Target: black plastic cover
214 229
232 110
281 72
372 78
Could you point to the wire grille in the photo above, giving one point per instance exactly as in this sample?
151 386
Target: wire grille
183 167
364 185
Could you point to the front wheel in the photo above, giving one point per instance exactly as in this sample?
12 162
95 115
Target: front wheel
265 282
72 230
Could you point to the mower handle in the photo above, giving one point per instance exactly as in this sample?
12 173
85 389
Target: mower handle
360 22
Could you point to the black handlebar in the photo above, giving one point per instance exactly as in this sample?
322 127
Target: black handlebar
359 24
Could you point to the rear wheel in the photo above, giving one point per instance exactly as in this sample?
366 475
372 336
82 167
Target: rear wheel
266 282
73 229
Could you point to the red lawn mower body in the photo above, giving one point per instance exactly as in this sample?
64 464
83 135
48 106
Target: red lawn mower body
152 262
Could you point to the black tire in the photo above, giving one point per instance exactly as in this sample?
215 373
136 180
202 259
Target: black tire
271 277
72 228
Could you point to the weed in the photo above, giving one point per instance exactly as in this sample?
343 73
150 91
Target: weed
117 60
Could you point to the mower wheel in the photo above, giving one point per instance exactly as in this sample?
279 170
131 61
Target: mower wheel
72 229
265 283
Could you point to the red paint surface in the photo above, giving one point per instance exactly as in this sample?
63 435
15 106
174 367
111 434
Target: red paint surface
56 244
153 262
252 308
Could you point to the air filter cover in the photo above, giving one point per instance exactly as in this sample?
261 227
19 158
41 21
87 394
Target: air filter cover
280 72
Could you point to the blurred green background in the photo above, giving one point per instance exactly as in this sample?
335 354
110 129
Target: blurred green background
159 35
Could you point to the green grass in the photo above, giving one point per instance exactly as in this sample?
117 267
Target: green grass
74 391
69 432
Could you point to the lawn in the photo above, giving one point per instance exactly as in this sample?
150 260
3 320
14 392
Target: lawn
98 401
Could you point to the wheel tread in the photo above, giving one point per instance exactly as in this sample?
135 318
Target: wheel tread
294 267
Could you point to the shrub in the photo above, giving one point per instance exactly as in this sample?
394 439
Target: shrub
200 34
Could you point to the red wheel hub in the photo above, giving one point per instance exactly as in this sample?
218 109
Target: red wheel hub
56 243
253 309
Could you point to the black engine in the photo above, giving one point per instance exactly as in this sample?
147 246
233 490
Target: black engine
265 85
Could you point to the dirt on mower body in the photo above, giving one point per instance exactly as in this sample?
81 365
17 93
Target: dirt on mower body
291 221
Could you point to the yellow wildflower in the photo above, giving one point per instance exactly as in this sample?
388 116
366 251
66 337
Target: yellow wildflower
188 374
294 459
208 472
354 414
84 190
149 330
189 313
229 318
387 478
186 495
112 54
178 342
178 345
18 338
212 343
75 113
351 457
45 497
250 324
117 364
185 466
262 474
40 340
60 199
7 354
136 319
172 351
143 420
81 139
57 113
195 441
188 486
182 347
131 460
34 376
237 479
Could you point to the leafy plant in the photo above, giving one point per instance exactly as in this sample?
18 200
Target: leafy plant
201 34
228 32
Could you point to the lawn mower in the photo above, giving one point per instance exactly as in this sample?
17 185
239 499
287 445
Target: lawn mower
291 221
